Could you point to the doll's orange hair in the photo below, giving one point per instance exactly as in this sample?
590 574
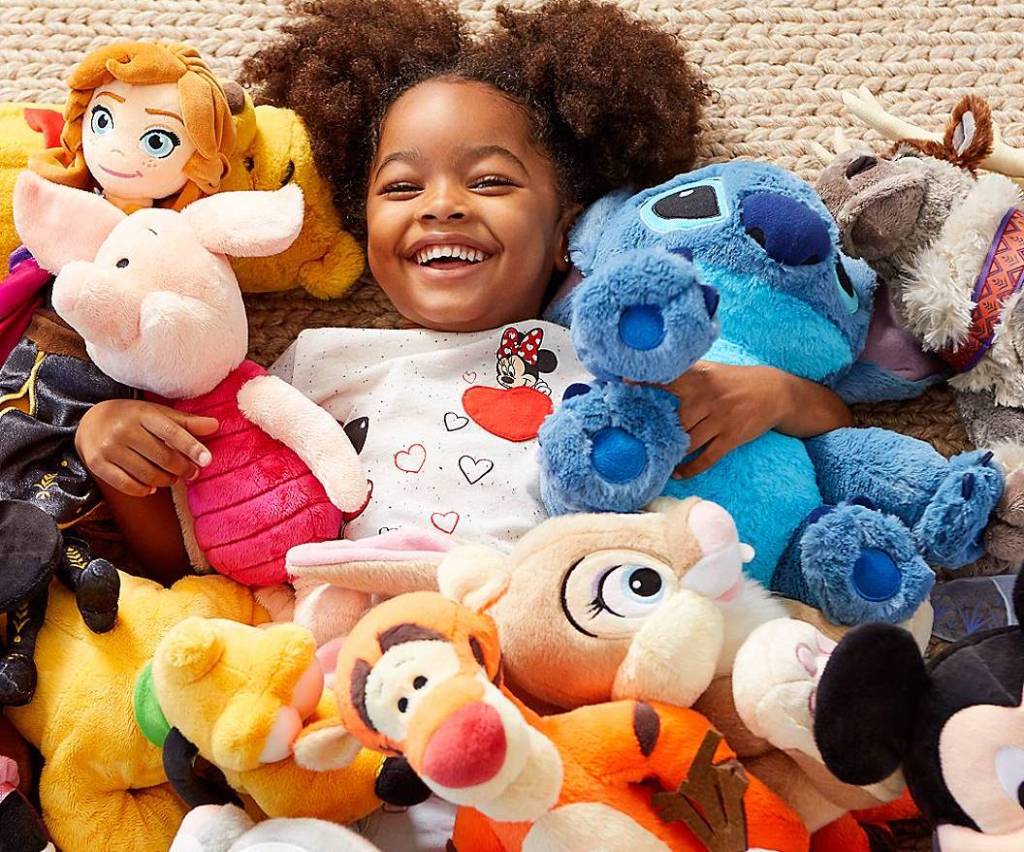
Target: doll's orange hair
204 108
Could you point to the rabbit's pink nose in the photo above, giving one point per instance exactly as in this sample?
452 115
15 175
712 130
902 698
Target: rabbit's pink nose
468 749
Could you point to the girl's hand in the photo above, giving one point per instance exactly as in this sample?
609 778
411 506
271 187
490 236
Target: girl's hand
137 447
723 406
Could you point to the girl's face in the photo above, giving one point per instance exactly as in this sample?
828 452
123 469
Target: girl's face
464 219
134 141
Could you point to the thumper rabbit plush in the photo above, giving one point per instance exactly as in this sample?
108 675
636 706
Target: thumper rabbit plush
159 307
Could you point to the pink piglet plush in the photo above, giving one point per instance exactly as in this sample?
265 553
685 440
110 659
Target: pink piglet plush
159 308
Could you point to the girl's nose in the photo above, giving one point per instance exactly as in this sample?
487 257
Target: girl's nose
444 205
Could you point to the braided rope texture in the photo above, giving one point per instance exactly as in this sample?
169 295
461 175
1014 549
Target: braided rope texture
776 68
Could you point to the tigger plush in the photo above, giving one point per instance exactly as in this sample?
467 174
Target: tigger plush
420 676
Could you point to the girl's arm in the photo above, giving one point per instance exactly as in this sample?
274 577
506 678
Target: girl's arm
134 449
722 406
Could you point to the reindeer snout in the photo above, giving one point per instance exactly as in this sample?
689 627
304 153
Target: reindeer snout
468 749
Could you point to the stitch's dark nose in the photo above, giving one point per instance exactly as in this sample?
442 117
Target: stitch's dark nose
861 164
789 232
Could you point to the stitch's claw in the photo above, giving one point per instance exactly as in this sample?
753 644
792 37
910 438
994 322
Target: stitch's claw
949 531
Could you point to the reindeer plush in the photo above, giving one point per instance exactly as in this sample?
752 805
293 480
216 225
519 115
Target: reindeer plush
948 241
159 307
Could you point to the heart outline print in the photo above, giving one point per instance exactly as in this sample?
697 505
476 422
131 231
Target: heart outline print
474 469
411 459
446 522
453 421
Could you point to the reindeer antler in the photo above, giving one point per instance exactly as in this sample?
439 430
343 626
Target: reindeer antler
1003 158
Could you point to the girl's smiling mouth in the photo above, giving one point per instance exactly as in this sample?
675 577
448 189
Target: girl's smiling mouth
445 254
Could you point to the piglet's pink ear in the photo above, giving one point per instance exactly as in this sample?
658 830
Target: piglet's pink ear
248 224
59 224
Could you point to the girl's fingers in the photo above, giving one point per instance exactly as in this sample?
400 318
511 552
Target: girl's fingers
702 433
711 455
177 437
142 470
147 445
116 478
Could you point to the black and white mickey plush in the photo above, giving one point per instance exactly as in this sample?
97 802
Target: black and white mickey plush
955 727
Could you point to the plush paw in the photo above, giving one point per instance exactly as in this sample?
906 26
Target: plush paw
611 449
17 680
643 316
1004 536
96 595
775 681
856 565
949 532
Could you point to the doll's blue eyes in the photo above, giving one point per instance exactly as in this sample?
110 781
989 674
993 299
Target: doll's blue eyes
159 143
101 121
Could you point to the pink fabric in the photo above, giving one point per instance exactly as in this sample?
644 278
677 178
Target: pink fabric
256 499
9 778
19 298
407 544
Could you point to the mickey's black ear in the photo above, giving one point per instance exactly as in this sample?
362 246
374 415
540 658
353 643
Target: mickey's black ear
867 703
179 766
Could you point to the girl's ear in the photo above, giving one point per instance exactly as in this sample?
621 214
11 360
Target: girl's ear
59 224
563 260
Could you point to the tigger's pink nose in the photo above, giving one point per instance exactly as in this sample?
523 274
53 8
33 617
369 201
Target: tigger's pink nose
468 749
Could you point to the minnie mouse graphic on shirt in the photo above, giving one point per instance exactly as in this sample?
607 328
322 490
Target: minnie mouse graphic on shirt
515 409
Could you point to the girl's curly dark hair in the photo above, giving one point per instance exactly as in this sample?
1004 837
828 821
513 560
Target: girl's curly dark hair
612 99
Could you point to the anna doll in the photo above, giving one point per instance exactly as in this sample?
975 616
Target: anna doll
145 124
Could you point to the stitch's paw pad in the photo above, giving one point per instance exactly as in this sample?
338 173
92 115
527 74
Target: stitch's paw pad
949 532
96 595
860 565
775 681
610 450
1004 536
643 316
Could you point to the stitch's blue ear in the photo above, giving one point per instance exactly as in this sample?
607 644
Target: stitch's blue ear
589 228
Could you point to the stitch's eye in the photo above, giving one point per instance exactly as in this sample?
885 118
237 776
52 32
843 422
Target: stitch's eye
1009 766
698 202
847 293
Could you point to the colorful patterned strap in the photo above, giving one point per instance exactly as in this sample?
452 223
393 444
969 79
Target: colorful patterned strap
1001 277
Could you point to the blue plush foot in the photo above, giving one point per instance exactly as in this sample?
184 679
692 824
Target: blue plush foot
611 449
855 565
949 532
643 316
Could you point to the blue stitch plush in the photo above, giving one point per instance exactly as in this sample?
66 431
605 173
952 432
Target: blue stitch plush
740 263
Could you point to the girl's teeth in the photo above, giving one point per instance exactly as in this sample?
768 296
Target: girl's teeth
450 253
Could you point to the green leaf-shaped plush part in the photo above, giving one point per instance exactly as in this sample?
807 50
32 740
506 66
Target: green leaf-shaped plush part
148 715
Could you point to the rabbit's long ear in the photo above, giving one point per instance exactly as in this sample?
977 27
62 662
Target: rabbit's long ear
59 224
248 224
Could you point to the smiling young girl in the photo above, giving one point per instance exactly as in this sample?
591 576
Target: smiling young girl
463 163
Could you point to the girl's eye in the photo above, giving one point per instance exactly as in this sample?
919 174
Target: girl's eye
159 143
400 188
101 121
490 182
